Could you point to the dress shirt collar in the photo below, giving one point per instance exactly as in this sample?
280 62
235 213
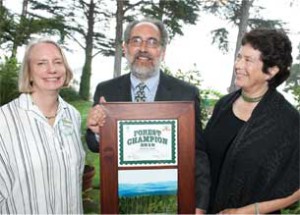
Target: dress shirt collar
151 83
26 103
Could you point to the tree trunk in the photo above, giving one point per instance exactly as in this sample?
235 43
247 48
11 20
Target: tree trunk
17 40
118 40
161 7
84 89
25 8
244 16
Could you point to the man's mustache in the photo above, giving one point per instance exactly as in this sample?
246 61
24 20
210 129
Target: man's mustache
143 54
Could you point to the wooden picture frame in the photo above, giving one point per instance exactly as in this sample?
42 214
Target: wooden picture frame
183 113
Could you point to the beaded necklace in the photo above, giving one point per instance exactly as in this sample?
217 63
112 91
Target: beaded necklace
250 99
50 117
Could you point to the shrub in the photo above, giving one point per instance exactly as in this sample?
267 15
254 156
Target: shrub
8 80
69 94
208 97
296 93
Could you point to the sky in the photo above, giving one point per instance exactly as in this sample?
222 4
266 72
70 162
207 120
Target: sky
194 49
147 176
216 68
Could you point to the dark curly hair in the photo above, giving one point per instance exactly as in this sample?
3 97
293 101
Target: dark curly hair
276 50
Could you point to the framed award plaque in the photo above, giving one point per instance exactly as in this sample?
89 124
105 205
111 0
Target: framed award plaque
147 158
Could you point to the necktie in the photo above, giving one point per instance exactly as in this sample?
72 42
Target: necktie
140 95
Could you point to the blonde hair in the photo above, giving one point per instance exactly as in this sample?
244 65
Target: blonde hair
25 85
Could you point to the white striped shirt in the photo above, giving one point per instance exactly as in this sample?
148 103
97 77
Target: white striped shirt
40 166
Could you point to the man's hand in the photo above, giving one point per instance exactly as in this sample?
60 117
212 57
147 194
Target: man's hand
199 211
96 116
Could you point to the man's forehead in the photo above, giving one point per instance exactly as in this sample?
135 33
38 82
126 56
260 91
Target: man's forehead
145 24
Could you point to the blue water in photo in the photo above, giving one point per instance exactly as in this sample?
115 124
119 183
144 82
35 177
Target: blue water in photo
159 188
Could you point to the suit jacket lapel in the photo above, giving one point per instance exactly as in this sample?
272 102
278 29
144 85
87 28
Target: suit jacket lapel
163 93
125 89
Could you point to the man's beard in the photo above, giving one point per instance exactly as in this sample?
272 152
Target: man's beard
144 72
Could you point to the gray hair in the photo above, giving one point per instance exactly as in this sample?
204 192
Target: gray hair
25 85
163 31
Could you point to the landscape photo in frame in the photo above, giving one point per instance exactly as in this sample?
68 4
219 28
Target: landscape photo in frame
148 191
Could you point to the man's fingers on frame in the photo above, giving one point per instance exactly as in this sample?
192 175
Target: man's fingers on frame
102 99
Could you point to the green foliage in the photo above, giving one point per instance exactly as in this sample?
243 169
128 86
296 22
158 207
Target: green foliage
8 80
232 12
174 14
261 23
81 21
208 97
83 107
85 23
91 197
17 30
296 92
220 37
148 204
69 94
293 209
293 82
6 25
294 78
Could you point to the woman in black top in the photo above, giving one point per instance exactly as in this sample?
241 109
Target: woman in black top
252 138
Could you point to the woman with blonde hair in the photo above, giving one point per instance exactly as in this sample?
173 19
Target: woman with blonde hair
41 154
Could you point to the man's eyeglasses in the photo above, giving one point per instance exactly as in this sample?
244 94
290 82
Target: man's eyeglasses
138 41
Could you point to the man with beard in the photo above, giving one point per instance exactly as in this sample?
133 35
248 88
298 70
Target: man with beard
144 45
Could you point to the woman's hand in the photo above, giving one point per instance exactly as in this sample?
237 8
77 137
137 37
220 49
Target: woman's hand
230 211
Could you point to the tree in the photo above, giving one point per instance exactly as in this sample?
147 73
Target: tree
17 29
8 80
244 17
18 39
118 38
92 12
293 81
6 23
174 14
84 23
237 13
86 71
95 42
75 20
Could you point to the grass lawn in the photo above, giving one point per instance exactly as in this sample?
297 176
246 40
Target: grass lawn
91 198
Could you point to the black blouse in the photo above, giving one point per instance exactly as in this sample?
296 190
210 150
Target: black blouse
253 161
218 141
